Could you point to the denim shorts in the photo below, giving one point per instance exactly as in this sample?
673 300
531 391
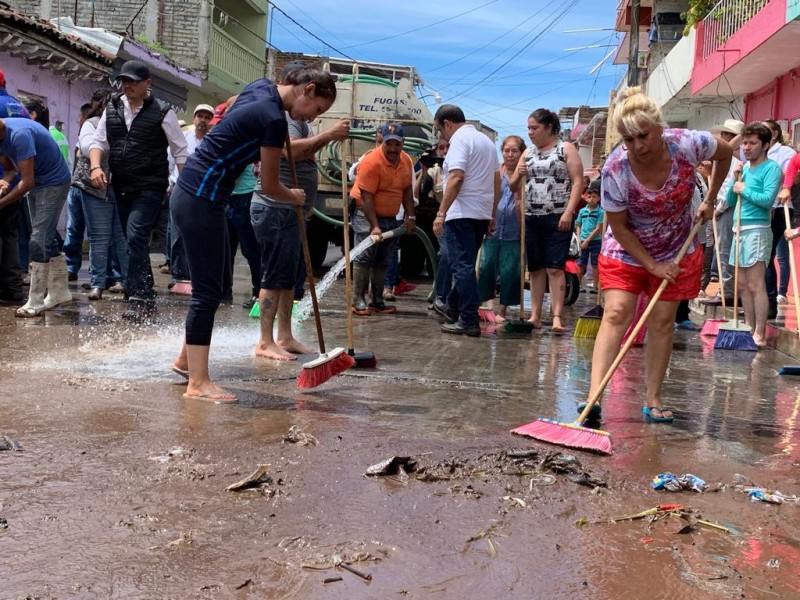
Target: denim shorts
756 246
279 237
590 253
546 246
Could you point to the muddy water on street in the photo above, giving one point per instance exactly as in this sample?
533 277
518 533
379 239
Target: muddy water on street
120 489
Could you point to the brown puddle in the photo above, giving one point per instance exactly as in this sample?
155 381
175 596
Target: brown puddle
120 489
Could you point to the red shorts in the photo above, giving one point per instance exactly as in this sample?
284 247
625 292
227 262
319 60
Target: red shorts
617 275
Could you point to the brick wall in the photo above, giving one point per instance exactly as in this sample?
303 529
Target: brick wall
178 21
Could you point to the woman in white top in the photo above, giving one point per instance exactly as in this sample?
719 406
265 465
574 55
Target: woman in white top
776 290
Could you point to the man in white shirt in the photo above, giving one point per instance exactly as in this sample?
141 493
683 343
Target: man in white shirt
471 194
135 130
203 114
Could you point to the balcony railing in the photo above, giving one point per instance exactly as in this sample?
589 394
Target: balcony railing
725 19
230 56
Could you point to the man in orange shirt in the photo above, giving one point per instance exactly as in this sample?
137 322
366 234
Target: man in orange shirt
383 183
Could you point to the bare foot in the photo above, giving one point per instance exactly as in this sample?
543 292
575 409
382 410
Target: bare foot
209 393
557 327
760 341
273 352
537 323
295 347
499 319
180 364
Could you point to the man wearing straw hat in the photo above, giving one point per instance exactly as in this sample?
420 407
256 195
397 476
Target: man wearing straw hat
731 132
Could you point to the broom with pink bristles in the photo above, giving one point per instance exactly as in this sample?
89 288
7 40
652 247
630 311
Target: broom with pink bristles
575 435
327 364
711 326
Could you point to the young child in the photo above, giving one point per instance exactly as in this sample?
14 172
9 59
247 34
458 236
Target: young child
588 227
760 181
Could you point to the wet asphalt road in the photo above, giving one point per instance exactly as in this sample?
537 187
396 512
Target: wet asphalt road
119 491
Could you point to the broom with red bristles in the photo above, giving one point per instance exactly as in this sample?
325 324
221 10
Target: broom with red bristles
575 435
328 364
363 359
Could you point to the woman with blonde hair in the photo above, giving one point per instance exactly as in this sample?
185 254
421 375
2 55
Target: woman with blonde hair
500 254
647 187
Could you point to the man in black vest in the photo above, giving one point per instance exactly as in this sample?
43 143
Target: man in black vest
136 130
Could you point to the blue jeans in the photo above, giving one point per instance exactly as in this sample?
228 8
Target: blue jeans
240 233
392 274
177 255
379 255
24 237
76 225
205 236
443 281
463 238
45 205
106 238
10 278
138 213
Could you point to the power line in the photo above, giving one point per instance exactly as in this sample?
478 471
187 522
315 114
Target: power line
311 33
550 26
502 35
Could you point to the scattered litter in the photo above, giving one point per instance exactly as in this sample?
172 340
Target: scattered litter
513 500
339 562
674 483
774 563
258 478
169 455
3 523
185 539
9 443
295 435
647 540
331 579
392 466
541 480
770 497
690 516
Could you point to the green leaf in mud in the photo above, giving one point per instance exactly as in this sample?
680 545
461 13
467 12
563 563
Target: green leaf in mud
582 521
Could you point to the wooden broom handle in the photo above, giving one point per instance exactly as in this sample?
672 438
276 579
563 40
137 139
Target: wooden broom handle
301 225
522 250
348 282
792 268
632 337
736 245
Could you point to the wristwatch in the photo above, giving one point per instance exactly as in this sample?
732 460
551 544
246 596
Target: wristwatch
440 214
412 218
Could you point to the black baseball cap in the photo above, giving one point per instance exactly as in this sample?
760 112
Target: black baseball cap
134 69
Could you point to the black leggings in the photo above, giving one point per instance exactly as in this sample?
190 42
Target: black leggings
204 231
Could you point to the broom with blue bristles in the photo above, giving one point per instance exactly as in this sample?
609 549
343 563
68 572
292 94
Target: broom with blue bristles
575 435
733 335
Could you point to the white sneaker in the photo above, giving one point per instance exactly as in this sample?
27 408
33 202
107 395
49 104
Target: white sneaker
782 299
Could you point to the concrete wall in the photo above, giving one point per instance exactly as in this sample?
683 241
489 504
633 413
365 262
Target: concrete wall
64 97
705 118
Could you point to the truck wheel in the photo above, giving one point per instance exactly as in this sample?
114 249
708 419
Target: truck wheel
572 289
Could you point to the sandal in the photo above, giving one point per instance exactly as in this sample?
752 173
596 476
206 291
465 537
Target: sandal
594 415
655 414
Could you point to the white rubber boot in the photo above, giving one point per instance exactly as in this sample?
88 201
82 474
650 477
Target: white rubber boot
35 304
57 283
